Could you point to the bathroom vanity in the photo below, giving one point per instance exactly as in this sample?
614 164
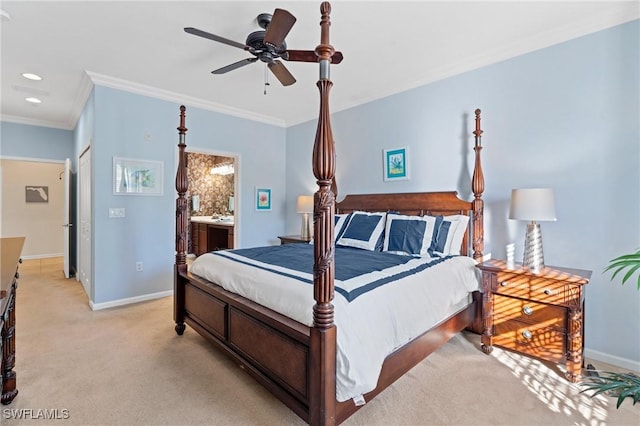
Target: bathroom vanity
209 234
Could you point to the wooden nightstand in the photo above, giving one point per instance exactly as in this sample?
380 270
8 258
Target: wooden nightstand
541 315
287 239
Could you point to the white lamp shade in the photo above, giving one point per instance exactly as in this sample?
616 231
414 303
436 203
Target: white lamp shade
305 204
534 204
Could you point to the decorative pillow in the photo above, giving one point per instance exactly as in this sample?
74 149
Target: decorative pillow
408 235
339 221
448 234
363 230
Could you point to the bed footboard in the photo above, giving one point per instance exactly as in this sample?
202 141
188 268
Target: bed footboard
271 347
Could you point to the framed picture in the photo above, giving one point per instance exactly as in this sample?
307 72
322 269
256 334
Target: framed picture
396 164
263 199
36 194
137 177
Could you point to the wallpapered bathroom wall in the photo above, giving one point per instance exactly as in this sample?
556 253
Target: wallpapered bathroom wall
214 190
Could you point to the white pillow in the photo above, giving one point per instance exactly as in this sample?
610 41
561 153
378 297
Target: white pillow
408 235
363 230
448 234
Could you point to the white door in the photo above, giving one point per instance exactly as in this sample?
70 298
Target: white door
84 202
66 226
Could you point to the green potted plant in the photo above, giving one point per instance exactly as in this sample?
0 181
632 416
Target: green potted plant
622 385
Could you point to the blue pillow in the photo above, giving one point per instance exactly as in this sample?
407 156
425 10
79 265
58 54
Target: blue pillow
363 230
448 235
408 235
339 221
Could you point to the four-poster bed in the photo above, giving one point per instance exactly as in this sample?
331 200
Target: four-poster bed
297 361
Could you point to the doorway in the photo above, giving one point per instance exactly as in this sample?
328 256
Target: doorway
213 200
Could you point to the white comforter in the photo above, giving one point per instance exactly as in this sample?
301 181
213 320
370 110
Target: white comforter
370 327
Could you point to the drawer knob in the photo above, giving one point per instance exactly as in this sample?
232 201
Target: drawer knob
527 334
527 310
548 292
504 283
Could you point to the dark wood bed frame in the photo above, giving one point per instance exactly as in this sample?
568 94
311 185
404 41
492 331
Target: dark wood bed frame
295 362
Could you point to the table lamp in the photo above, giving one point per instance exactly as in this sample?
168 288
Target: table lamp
533 205
305 206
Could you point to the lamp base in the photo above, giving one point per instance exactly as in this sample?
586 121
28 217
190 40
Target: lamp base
305 231
533 255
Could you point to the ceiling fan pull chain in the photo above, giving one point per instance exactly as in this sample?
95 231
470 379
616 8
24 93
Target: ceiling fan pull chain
266 78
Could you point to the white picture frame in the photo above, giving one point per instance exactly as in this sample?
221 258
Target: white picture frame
137 177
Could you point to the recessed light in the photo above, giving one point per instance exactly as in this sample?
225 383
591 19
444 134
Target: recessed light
31 76
33 100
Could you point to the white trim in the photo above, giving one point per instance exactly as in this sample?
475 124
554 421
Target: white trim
614 360
129 300
86 86
41 256
154 92
32 160
34 122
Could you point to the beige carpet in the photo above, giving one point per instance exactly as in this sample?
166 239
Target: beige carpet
127 366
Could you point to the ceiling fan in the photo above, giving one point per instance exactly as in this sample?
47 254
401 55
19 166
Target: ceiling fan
268 46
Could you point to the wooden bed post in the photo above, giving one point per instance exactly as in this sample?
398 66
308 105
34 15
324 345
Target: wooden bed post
477 185
322 380
182 184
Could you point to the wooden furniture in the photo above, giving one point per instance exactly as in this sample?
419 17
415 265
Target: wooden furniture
206 237
10 248
295 362
541 315
288 239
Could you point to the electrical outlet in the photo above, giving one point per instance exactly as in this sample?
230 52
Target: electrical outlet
138 266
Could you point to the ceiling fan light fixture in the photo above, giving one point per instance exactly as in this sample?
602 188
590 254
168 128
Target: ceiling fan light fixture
31 76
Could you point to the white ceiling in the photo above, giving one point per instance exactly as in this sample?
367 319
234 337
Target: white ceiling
388 47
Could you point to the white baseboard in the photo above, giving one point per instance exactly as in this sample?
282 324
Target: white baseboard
130 300
617 361
41 256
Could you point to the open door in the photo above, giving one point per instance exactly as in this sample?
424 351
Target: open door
67 225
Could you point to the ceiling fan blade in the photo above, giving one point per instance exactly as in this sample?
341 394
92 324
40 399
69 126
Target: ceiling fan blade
280 25
234 66
214 37
281 72
308 56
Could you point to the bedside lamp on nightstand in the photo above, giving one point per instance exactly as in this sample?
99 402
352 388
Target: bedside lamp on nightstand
533 204
305 206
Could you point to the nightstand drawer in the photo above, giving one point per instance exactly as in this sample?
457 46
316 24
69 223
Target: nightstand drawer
536 340
538 289
508 308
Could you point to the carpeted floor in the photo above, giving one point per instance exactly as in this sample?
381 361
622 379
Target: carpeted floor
127 366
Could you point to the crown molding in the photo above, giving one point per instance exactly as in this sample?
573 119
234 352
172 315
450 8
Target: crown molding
35 122
154 92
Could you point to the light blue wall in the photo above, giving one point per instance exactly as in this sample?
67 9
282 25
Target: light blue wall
565 117
123 122
35 142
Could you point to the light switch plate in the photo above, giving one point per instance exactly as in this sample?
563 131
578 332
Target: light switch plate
116 212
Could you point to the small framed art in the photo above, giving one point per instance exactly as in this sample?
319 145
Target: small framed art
396 164
263 199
